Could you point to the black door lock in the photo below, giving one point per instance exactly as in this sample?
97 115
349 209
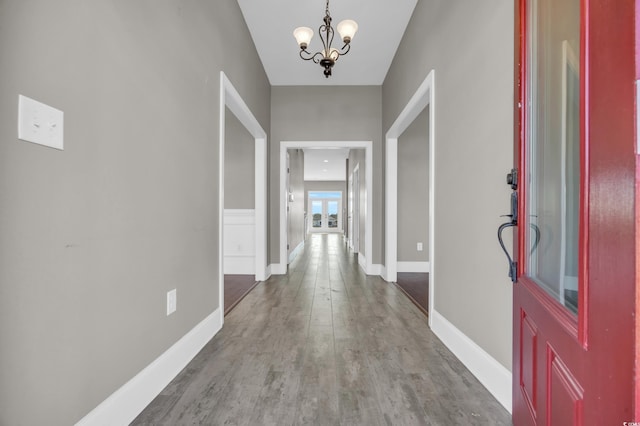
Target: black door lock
512 179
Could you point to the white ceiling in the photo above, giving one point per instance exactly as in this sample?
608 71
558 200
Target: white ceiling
381 27
325 164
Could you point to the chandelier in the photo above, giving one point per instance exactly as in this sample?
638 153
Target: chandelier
328 56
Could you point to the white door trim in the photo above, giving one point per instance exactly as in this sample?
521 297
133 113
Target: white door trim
356 211
230 98
368 147
422 97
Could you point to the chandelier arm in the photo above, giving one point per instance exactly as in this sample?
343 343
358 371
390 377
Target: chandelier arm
315 57
305 51
345 49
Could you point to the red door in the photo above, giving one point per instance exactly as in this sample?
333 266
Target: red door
575 296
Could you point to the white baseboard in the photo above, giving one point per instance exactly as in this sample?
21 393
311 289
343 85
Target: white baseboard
376 269
296 251
277 269
413 267
383 272
362 261
124 405
493 375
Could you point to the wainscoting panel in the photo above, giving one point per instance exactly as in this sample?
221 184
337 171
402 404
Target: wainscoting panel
239 241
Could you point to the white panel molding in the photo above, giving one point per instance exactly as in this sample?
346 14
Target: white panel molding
368 147
230 98
493 375
425 95
414 267
239 241
124 405
239 265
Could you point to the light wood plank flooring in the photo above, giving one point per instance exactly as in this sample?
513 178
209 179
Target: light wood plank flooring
325 345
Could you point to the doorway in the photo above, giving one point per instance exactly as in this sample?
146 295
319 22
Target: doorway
365 257
325 212
230 99
422 98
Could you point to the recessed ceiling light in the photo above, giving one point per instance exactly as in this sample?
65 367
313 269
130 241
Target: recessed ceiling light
324 170
326 161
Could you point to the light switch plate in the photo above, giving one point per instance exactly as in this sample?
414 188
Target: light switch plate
419 247
40 123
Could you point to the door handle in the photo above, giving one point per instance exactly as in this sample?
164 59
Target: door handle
512 180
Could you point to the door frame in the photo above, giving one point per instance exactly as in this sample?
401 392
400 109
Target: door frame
230 98
423 97
368 147
355 220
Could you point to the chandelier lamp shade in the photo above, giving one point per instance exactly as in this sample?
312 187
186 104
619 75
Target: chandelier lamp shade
328 56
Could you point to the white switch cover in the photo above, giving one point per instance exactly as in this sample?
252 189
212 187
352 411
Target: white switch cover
419 246
40 123
172 302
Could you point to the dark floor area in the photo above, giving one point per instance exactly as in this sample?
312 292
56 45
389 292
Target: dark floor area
416 286
235 288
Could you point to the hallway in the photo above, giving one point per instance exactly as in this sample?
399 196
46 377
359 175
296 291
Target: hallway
325 345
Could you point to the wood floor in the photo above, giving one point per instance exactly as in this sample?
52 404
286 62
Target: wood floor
235 288
325 345
416 287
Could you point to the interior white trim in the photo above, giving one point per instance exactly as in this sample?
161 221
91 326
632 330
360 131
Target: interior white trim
368 147
425 95
230 98
421 267
362 261
278 269
493 375
124 405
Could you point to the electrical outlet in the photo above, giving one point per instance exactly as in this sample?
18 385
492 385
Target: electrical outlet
419 246
172 302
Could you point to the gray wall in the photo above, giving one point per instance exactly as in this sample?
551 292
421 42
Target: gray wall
470 46
94 236
413 190
239 165
345 113
297 207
